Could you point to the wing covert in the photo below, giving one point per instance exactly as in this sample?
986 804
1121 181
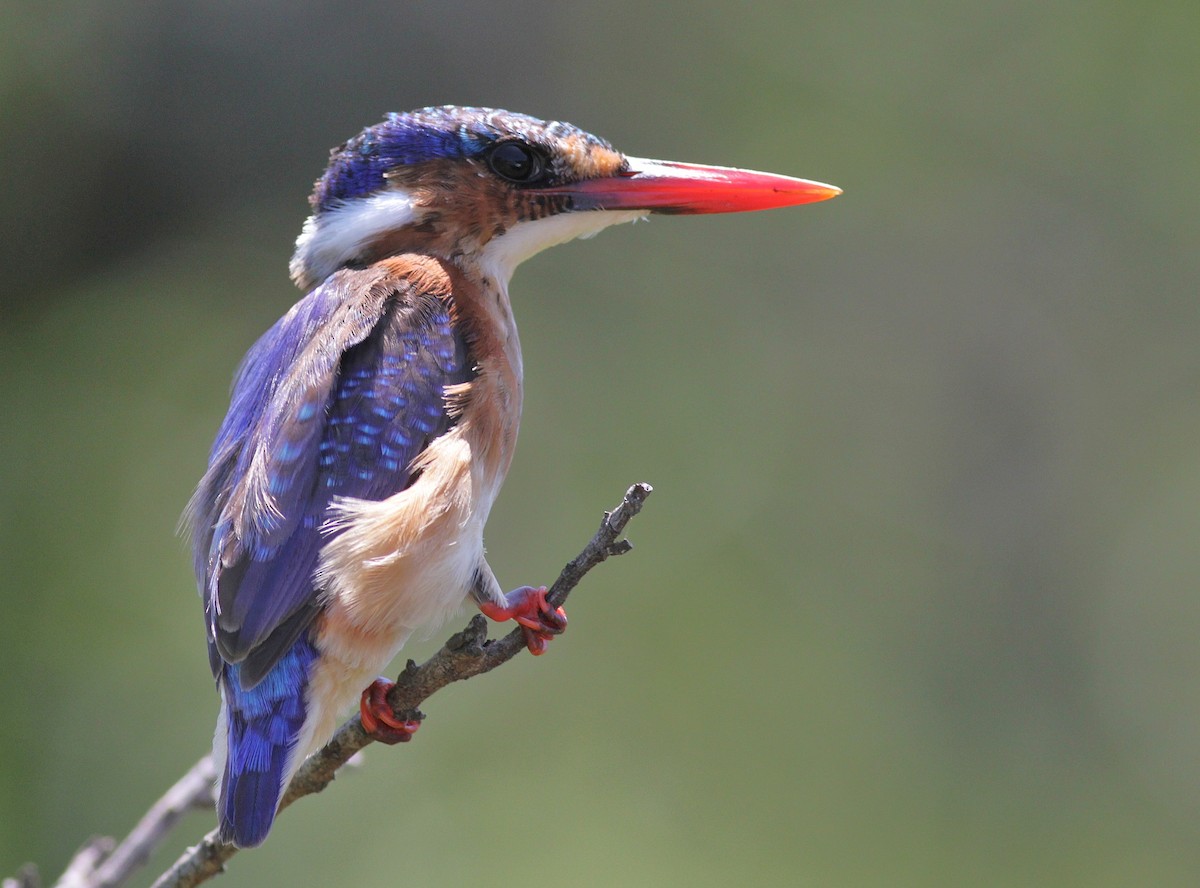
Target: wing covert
336 400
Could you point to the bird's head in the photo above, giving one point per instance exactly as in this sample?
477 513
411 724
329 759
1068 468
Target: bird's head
493 188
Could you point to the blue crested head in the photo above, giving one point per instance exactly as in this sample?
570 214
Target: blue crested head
446 132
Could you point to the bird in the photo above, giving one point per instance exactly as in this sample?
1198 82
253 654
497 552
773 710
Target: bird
370 428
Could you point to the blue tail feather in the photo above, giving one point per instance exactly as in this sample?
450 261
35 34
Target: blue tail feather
262 724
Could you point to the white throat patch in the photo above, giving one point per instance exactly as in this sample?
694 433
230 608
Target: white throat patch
503 254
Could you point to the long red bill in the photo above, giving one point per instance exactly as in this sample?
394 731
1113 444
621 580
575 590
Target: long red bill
665 186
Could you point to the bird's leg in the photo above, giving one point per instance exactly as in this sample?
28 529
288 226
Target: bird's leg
527 605
377 717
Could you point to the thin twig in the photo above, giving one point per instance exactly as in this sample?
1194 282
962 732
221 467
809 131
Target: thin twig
101 863
82 868
466 654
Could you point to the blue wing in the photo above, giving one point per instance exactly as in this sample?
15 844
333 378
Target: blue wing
335 400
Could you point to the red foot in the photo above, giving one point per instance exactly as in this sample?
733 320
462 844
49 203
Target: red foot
528 607
378 720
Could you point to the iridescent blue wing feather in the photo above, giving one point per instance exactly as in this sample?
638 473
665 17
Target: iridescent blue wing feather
336 400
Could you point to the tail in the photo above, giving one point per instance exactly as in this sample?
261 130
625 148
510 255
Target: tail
261 727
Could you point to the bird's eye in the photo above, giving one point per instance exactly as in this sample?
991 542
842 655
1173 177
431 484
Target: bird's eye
516 162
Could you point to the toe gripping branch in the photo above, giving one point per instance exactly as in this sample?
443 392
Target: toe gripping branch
538 620
377 717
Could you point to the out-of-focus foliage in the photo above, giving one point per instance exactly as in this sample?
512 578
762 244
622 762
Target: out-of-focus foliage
915 602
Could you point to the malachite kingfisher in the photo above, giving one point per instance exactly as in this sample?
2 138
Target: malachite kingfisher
371 427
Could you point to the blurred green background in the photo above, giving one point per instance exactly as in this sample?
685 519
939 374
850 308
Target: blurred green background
914 602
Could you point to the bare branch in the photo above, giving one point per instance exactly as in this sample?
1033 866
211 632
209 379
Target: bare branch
466 654
101 863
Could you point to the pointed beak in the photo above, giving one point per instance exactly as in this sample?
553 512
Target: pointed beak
664 186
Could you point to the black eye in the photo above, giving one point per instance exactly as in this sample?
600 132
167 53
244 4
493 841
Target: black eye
516 162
